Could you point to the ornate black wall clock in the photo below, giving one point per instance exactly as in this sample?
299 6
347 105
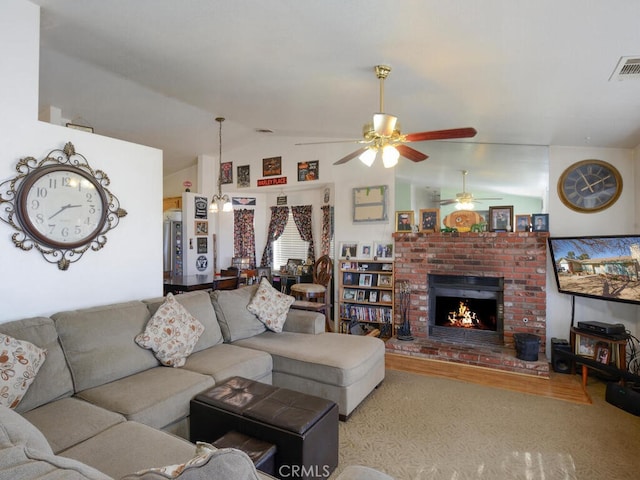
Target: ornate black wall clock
60 206
590 186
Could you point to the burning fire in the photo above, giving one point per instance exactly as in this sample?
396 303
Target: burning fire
463 317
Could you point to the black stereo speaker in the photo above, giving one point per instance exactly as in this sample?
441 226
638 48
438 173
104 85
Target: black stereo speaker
623 397
559 363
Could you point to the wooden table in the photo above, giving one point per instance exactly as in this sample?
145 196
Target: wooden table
285 279
189 283
617 349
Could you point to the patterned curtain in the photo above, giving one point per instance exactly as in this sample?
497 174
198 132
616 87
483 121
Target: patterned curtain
302 217
244 238
327 229
279 217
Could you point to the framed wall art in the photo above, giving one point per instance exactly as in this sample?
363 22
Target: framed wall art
370 204
271 166
244 176
201 227
226 173
308 171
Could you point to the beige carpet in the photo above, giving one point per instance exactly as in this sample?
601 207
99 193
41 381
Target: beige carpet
415 427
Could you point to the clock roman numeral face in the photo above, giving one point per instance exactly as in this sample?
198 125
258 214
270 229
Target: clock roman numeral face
589 186
63 207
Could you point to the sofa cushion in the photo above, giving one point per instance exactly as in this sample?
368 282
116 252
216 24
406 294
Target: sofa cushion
54 378
171 333
270 306
129 447
235 320
99 342
26 454
225 360
69 421
333 358
157 397
20 362
199 305
223 464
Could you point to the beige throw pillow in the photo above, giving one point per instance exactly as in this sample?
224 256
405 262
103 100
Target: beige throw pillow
171 333
270 306
19 365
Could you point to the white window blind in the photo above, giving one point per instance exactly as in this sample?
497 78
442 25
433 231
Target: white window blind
289 245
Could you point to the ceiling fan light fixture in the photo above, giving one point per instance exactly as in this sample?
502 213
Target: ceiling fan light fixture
384 124
464 206
368 156
390 156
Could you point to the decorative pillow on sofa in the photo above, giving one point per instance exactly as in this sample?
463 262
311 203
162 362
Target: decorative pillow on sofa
19 364
209 463
171 333
270 306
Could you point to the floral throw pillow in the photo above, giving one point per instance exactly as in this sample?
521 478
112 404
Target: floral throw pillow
171 333
19 365
270 306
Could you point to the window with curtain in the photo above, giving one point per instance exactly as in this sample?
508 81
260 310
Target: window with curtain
289 245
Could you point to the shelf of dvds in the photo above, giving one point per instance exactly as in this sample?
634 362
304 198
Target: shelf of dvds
366 297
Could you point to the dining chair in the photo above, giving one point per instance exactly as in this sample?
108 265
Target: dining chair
316 296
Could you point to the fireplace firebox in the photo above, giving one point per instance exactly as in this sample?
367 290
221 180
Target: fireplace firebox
466 309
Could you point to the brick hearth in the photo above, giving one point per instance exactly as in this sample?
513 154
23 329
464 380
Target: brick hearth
520 258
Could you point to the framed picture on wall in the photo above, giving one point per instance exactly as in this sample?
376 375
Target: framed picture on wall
226 173
202 227
244 176
271 166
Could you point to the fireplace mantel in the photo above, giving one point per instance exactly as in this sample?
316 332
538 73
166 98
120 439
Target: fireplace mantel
518 257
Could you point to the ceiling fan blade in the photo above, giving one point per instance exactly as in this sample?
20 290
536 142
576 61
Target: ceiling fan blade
441 134
411 153
351 156
489 198
448 202
333 141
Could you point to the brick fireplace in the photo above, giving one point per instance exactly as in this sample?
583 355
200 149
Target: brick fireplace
516 260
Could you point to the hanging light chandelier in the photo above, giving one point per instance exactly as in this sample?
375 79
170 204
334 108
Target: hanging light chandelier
220 201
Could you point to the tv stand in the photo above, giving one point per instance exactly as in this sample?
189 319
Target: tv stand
582 341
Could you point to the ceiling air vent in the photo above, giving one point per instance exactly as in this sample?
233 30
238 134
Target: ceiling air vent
628 68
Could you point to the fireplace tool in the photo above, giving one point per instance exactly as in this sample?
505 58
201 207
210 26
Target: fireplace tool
404 331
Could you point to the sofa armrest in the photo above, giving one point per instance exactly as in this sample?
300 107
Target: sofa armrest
304 321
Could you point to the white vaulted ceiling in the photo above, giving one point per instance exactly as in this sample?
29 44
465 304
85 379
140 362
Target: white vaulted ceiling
157 72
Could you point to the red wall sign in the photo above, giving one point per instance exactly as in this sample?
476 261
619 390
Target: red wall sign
265 182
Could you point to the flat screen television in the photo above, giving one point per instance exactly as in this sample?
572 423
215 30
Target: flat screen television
602 267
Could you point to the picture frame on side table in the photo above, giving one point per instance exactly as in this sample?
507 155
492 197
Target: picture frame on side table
540 222
430 220
603 353
501 218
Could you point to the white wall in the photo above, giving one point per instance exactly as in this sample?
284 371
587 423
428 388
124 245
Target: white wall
621 218
130 264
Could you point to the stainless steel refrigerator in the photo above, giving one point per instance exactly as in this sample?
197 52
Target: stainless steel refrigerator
173 247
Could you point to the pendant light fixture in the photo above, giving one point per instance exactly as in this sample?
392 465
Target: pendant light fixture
220 201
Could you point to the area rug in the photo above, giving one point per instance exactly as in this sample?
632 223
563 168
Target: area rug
416 427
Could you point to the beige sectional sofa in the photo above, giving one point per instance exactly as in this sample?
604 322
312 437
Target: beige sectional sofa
105 402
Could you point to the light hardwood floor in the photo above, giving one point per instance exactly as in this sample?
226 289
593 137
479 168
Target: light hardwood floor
559 386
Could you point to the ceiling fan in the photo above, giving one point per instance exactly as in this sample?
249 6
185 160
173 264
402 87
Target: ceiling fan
383 135
465 200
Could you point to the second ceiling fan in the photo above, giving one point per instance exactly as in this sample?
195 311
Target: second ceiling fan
383 135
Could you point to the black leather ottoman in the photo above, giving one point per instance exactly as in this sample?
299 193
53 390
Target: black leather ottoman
303 427
261 453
